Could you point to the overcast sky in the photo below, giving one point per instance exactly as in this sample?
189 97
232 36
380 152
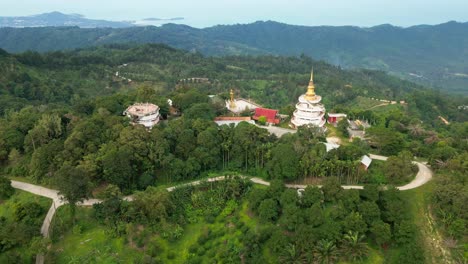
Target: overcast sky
203 13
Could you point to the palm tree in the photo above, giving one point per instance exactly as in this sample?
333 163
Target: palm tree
416 130
353 246
291 254
326 252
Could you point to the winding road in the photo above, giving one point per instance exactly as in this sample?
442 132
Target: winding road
422 177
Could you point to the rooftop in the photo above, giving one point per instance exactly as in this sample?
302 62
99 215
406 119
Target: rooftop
366 161
142 109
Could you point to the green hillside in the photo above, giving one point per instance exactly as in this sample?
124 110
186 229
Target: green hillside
419 53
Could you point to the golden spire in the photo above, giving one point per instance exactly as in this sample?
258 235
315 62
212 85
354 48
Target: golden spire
232 104
310 94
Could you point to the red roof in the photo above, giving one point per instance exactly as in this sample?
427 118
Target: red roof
270 114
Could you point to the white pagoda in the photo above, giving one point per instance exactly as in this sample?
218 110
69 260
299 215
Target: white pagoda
309 110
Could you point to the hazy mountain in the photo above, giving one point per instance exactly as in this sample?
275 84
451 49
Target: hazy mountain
434 55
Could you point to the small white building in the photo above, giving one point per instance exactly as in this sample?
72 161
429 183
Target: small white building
143 114
366 162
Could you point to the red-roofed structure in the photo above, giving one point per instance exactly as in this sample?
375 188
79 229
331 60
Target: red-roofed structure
270 114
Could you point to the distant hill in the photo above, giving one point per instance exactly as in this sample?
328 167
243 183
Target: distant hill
57 19
431 55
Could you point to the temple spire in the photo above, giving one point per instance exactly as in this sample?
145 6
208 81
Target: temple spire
310 94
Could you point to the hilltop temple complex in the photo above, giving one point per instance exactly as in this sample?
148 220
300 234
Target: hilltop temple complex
309 110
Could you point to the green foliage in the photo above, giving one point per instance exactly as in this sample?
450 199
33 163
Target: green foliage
28 213
399 169
73 185
154 204
381 232
262 120
6 190
284 163
311 196
268 210
343 127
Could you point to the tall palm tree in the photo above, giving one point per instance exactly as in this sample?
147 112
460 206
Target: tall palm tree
326 252
291 254
354 247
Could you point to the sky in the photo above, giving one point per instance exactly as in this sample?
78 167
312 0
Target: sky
204 13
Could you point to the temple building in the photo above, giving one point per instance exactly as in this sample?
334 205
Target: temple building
309 110
144 114
240 105
271 115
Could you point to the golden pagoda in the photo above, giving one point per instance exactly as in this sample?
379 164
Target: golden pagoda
232 103
310 94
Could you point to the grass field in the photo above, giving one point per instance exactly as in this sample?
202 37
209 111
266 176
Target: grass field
7 207
21 253
87 241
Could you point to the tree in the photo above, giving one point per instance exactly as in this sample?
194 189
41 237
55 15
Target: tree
354 223
268 210
370 192
411 253
73 186
381 232
332 190
390 142
6 190
326 252
289 197
291 255
399 168
370 211
354 248
291 217
311 196
28 212
203 111
262 120
154 204
116 166
284 163
343 127
404 232
314 215
256 197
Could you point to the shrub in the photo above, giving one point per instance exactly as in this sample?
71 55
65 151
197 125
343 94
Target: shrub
171 255
193 248
201 251
6 190
77 229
